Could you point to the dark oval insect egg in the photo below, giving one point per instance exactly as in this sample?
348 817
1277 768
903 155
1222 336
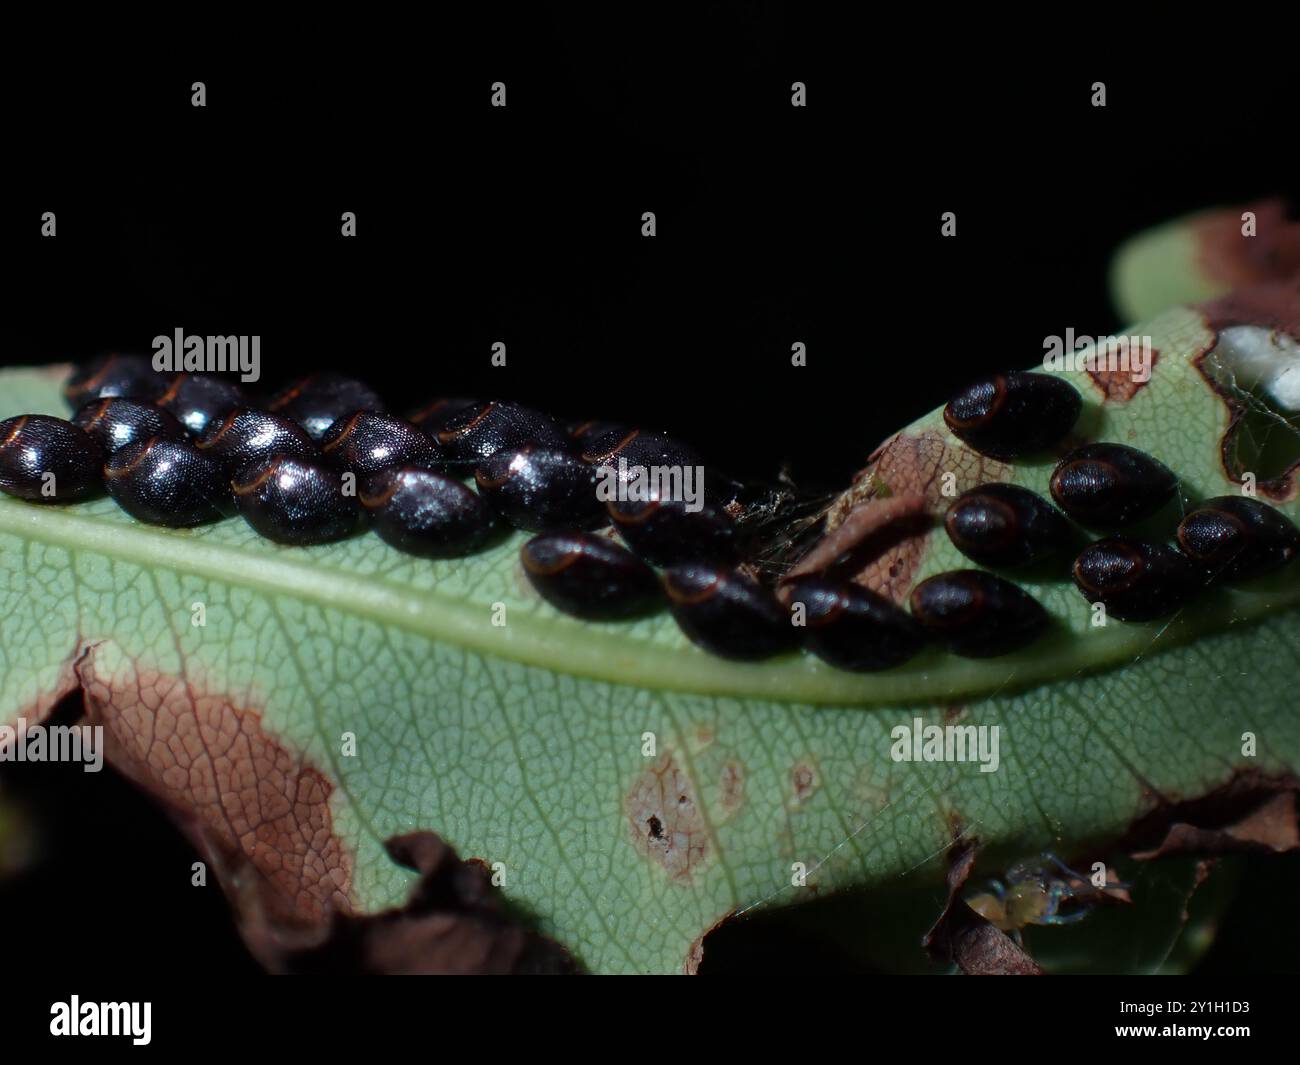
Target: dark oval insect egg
1108 485
1006 525
583 433
852 627
977 614
1012 414
117 422
1238 538
296 501
48 460
317 401
727 613
114 374
426 513
201 400
540 489
637 447
665 532
1137 581
166 481
590 576
438 412
366 441
246 437
476 433
633 457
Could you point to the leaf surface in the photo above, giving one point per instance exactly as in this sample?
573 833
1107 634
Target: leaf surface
524 744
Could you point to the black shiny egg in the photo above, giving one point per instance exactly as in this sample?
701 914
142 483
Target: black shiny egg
727 613
1238 538
165 481
852 627
366 441
1011 414
48 460
977 614
583 433
1105 486
666 532
425 513
640 464
590 576
200 400
296 501
1006 525
114 374
318 400
474 434
541 489
117 422
1137 581
433 415
246 437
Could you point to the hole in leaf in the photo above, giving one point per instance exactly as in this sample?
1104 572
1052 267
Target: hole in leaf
1257 372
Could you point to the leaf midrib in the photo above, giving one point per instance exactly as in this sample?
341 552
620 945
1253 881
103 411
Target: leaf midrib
558 643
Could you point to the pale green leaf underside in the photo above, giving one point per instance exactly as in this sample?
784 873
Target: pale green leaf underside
1160 267
522 744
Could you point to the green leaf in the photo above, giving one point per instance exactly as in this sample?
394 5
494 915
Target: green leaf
523 744
1164 266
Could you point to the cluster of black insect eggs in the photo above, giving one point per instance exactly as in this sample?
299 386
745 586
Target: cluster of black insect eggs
1100 488
322 458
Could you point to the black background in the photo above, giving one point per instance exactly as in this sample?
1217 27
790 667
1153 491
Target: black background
775 224
476 224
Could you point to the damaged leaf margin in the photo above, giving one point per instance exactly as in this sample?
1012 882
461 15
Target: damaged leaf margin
1248 812
261 817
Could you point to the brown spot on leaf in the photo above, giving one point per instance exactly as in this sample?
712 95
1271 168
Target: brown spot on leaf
259 811
665 819
962 937
906 466
1234 260
454 923
804 779
733 787
1118 385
